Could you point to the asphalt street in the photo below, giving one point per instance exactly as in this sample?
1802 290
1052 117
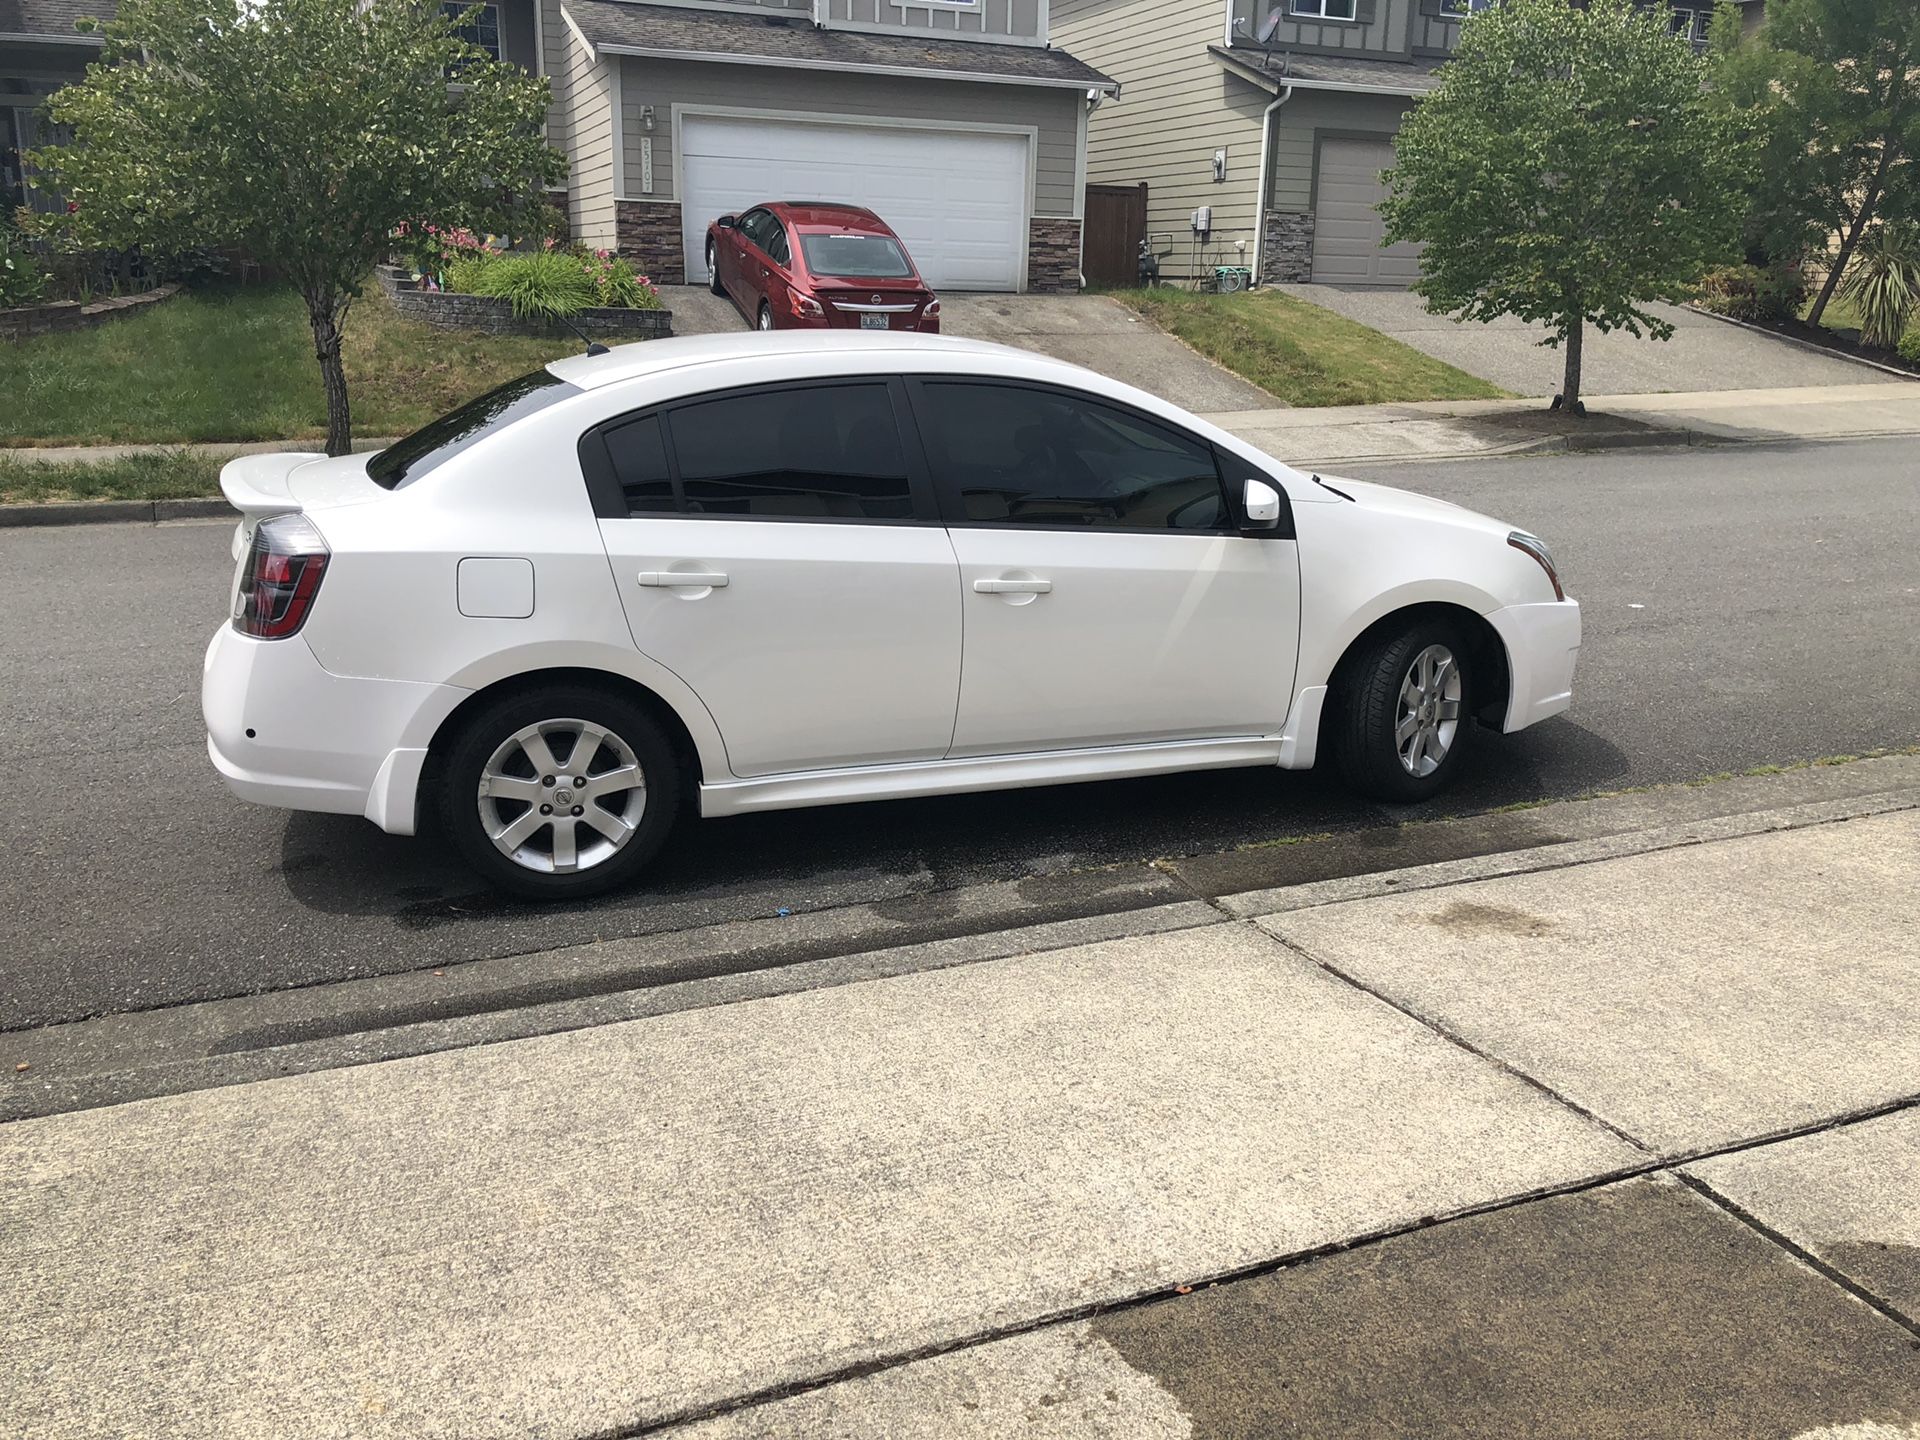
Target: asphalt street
1743 606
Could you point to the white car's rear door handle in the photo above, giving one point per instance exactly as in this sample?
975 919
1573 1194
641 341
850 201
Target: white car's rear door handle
1013 587
673 579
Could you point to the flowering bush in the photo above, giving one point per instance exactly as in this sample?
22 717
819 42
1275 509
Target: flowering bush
1750 292
431 249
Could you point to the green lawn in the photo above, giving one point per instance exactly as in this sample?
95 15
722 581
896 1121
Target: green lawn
170 475
1301 353
237 364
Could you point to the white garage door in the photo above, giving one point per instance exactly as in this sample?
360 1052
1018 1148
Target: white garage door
1347 229
958 198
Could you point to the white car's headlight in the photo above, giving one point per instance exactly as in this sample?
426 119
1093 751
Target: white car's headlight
1536 547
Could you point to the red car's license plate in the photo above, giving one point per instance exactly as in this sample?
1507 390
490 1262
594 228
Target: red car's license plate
873 322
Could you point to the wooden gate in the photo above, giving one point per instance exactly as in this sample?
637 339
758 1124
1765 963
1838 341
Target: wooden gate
1114 227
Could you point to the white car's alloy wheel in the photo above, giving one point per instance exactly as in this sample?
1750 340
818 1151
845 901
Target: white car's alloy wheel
1429 713
561 796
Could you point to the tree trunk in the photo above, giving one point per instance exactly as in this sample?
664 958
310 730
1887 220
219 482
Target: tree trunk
1868 203
324 314
1573 344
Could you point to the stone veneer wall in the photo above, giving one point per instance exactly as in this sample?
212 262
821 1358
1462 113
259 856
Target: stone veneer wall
648 234
64 315
1288 258
484 313
1053 256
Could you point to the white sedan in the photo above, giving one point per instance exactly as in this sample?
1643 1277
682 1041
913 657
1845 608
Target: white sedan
739 573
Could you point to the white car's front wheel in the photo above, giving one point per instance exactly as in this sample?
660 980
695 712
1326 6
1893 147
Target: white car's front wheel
1405 712
560 793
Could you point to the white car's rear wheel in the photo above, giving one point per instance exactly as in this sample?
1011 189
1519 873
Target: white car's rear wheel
1405 713
560 793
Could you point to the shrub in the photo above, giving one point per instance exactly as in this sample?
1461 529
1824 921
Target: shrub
466 275
618 285
23 279
1754 293
1883 284
1910 346
544 284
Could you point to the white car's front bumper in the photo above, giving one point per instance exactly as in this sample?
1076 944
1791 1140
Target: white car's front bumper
1543 643
282 730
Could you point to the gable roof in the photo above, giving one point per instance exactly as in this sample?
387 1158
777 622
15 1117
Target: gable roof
619 27
53 19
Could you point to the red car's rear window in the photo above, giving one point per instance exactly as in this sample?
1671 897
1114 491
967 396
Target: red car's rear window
868 257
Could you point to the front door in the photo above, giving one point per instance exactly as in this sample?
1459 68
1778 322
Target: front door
777 558
1109 597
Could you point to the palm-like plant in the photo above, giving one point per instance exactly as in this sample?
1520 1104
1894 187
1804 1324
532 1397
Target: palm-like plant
545 284
1883 283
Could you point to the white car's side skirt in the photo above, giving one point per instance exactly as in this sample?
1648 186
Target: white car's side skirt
997 772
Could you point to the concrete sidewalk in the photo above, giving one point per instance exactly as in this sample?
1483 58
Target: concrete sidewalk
1617 1148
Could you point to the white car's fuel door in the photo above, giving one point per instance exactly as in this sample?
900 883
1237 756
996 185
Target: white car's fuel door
772 551
1109 594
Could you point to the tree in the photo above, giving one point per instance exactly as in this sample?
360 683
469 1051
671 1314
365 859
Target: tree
301 132
1832 87
1568 170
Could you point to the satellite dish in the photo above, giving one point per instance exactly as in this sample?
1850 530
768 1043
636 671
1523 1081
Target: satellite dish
1268 27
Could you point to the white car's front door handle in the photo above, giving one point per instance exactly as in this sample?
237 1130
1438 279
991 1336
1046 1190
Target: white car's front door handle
1013 587
673 579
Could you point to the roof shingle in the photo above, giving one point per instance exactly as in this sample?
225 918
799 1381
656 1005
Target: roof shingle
1400 77
623 26
52 17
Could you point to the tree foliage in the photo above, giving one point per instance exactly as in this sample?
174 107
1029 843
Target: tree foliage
1568 169
1830 91
301 132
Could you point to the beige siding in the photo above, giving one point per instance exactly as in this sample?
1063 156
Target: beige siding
669 84
1015 20
554 36
1310 113
1177 105
589 105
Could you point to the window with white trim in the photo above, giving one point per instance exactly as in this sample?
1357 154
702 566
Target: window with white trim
483 29
1324 9
1691 24
1454 9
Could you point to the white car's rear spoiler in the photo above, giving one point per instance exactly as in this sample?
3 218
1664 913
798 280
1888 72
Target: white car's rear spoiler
258 486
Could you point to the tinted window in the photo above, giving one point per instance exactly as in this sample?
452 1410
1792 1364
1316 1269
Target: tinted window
821 452
872 257
1015 456
758 226
776 245
430 447
639 458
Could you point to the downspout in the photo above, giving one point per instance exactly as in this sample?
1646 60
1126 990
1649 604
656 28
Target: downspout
1094 97
1266 182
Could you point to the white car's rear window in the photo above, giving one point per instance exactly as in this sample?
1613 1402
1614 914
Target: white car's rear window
431 446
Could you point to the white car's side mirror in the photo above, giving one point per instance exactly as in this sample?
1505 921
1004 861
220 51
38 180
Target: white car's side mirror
1261 504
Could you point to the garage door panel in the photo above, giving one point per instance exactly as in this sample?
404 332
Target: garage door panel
957 198
1349 235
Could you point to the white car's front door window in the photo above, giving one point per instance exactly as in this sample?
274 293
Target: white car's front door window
780 566
1108 597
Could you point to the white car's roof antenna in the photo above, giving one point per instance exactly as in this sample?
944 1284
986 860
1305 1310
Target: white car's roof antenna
594 347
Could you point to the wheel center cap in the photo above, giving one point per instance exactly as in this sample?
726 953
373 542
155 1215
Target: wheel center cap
563 797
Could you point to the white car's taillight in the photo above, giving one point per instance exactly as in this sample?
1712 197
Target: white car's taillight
1536 547
280 577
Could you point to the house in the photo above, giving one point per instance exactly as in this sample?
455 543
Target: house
41 50
1276 115
956 120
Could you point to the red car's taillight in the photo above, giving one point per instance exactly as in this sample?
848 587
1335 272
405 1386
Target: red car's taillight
280 577
804 307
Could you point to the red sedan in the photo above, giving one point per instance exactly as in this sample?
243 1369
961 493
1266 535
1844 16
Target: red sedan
793 266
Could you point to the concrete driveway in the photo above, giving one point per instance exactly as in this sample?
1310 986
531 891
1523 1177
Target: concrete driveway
1704 353
1088 330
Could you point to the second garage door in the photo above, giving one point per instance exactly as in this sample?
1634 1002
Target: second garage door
958 198
1347 228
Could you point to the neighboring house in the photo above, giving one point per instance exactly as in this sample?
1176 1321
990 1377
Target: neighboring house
1278 115
40 52
954 120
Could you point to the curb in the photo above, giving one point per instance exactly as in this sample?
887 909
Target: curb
106 512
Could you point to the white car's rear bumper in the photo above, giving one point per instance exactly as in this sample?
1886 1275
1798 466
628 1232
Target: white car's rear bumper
282 730
1543 642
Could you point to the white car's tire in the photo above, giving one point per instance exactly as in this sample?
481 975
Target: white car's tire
560 793
1404 713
